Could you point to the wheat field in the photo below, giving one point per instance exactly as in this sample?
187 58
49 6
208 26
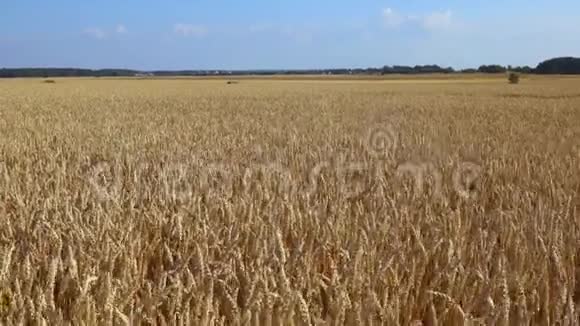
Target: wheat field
290 202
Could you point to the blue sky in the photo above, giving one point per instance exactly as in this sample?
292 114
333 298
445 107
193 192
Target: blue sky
299 34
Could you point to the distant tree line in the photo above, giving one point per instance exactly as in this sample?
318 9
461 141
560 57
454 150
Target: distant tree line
429 69
64 72
565 65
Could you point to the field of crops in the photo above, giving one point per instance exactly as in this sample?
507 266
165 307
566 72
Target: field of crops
290 202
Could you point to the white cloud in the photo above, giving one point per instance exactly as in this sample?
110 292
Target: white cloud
96 33
392 18
437 20
190 30
121 29
432 21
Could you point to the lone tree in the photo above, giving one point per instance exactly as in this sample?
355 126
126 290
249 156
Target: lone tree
514 78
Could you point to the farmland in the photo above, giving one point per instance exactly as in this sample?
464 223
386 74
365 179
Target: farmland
290 201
